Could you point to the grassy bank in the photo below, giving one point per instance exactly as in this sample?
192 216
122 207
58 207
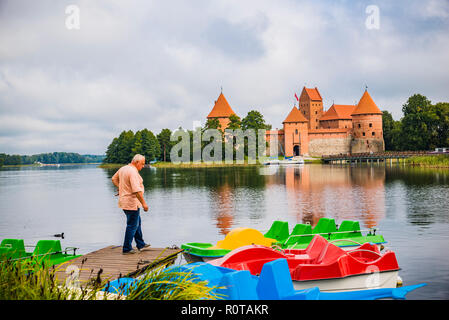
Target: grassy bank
437 161
182 165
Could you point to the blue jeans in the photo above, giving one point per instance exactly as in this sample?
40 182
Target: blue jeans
133 230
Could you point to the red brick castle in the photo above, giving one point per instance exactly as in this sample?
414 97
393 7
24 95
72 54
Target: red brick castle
309 131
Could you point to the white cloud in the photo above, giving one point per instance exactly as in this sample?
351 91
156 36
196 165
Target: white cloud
161 64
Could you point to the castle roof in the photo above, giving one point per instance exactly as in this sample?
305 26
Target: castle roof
313 93
338 112
295 116
366 105
221 108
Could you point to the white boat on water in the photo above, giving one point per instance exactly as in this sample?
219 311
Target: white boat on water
48 164
286 161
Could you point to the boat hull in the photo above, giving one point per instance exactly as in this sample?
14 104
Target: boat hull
376 280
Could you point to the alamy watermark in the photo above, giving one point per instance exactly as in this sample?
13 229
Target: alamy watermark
72 21
372 21
216 146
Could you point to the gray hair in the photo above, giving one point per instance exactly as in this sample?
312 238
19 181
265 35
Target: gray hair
138 158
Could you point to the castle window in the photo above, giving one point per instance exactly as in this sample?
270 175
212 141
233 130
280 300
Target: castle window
316 112
296 131
372 133
359 125
370 125
363 133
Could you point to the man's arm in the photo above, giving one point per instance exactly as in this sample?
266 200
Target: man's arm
139 196
115 181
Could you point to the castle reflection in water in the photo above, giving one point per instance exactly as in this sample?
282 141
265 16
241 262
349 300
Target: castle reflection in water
307 193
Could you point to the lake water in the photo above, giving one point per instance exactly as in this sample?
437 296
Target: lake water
409 206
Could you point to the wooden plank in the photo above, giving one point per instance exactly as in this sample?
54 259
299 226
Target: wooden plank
114 264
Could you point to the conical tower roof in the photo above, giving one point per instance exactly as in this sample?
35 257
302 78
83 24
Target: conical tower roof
221 108
295 116
338 112
366 105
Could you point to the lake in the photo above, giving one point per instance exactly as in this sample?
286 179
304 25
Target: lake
409 207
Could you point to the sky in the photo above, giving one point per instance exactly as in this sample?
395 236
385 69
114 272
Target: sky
74 74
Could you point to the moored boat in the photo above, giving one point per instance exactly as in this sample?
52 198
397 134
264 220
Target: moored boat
274 283
322 264
48 251
236 238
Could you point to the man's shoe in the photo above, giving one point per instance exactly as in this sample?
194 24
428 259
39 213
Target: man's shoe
145 246
130 251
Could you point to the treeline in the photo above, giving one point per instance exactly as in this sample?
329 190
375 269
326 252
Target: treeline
158 147
424 126
53 157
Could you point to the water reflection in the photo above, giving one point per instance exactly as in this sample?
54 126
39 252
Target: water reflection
352 193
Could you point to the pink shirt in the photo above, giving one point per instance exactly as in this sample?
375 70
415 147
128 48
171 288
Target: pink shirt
129 182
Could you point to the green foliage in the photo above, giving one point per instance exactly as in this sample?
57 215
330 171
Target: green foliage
165 144
234 122
54 157
212 123
28 280
123 148
423 127
169 284
253 120
440 160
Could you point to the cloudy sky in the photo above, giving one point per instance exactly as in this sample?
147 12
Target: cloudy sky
161 64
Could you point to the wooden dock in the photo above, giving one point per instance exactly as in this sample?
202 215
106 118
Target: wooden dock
368 157
109 263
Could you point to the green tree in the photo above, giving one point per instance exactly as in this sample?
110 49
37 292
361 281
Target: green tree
253 120
124 147
150 145
387 128
439 125
212 123
165 144
234 122
137 144
415 123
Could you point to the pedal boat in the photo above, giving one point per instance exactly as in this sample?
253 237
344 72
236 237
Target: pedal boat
322 264
236 238
274 283
45 251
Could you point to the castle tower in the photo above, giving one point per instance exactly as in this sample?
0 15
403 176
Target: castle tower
311 106
367 126
221 110
296 138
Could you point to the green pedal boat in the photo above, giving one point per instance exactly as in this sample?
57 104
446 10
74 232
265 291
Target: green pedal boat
45 251
347 235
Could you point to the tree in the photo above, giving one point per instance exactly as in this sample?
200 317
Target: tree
416 104
212 123
253 120
112 152
439 125
124 147
387 128
415 123
150 145
234 122
165 144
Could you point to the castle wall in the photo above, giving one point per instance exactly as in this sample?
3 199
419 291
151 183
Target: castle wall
367 145
329 144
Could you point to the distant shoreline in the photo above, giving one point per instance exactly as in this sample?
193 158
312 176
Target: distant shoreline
36 165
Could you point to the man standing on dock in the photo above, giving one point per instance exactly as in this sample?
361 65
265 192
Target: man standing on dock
130 190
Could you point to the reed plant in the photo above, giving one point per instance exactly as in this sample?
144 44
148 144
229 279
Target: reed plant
437 161
28 280
162 283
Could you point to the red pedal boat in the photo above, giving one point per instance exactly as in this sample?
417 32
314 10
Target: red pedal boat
322 264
